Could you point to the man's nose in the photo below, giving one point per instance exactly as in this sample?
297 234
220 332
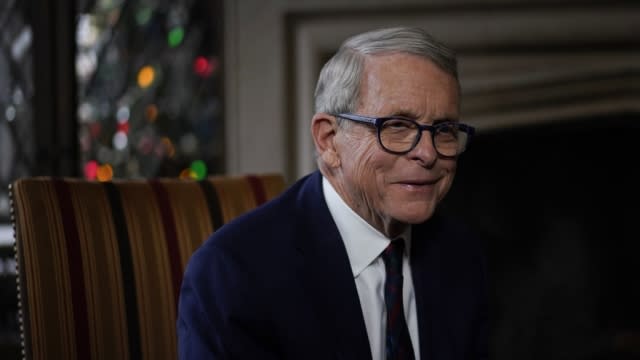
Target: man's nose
425 151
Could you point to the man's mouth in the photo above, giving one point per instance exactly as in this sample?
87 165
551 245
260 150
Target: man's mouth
418 182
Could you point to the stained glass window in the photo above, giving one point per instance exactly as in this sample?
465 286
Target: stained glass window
16 92
149 85
149 88
17 152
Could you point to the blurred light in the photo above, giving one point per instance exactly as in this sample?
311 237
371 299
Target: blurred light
86 31
104 172
169 147
143 16
90 170
86 63
203 67
123 127
199 168
21 44
187 174
120 140
18 96
176 35
10 113
85 112
151 112
146 76
122 115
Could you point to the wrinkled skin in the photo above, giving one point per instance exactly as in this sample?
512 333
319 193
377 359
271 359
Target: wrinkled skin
391 191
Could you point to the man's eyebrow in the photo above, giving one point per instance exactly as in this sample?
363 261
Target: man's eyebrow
445 119
405 114
408 114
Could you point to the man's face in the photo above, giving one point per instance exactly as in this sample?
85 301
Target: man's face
390 190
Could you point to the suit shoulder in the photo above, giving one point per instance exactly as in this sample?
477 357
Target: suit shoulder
240 244
260 229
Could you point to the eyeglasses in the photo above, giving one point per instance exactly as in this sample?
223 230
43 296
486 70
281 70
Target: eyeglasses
399 135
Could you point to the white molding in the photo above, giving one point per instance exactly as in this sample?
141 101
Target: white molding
256 73
556 113
525 74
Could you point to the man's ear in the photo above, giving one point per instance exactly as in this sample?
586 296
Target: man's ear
323 130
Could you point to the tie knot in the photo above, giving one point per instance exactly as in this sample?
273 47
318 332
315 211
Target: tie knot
392 256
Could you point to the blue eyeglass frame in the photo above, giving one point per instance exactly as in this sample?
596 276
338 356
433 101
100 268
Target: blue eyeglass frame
378 121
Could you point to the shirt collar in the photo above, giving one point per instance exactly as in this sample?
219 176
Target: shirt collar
363 242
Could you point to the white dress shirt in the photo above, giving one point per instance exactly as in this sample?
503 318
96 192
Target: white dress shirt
364 245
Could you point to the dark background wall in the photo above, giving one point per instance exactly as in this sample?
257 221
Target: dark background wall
557 207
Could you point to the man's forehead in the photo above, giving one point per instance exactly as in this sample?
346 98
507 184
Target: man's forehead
397 84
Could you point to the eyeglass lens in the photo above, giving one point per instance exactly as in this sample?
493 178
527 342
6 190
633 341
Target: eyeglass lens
399 135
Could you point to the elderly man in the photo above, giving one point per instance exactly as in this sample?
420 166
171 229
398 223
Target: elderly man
352 262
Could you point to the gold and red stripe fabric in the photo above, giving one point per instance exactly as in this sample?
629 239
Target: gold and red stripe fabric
100 264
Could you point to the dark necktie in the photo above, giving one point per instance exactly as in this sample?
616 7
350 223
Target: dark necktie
398 342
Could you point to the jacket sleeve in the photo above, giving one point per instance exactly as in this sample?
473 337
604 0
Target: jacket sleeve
196 336
219 312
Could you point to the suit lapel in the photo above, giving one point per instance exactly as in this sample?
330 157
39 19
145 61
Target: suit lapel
331 287
425 270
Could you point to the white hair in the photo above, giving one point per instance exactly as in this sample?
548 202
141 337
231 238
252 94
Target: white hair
338 85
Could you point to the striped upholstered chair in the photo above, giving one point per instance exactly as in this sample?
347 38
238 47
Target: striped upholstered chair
100 264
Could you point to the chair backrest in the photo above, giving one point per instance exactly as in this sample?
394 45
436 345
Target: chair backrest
100 264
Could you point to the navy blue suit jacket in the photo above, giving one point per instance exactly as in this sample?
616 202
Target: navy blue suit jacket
276 284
